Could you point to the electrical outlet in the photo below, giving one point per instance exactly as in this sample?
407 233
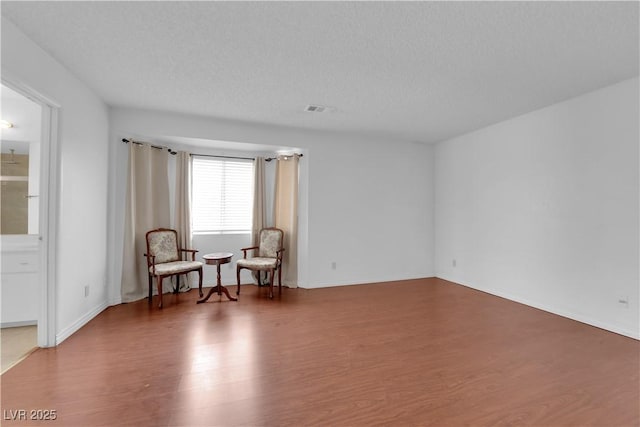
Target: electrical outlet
454 262
333 265
86 291
623 301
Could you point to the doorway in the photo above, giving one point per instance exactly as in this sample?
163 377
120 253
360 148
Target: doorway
26 293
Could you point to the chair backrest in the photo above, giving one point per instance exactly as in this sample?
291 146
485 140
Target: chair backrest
270 242
163 244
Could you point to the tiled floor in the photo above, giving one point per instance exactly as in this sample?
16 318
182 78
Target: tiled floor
16 344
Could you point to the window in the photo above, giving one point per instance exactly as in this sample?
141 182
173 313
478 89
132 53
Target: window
221 195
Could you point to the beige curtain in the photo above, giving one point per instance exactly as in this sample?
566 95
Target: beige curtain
183 211
285 214
259 204
259 201
147 207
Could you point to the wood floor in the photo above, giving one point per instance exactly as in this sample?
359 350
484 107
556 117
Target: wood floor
422 352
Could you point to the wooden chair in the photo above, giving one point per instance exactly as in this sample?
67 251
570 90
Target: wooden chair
164 260
269 257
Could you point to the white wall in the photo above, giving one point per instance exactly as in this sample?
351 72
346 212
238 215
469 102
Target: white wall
543 208
83 177
370 212
363 203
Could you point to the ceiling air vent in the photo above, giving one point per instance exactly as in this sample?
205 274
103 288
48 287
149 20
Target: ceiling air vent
314 108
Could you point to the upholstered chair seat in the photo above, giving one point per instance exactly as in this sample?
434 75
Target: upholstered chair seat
258 263
175 267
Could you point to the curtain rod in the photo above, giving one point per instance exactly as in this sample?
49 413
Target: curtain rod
268 159
126 141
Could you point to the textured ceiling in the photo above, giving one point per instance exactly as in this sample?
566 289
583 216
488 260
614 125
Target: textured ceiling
417 71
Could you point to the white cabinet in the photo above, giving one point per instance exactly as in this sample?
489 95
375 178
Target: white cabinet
19 288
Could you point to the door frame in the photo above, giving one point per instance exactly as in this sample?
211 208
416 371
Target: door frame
48 210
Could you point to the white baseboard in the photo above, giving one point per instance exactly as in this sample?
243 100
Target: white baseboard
361 282
553 310
75 326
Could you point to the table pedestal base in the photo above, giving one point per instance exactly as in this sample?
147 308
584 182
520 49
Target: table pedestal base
220 290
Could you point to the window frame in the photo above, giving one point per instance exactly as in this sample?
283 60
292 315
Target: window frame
224 190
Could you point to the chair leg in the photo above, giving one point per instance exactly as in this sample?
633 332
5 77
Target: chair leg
280 278
238 268
150 288
159 279
200 282
177 288
271 283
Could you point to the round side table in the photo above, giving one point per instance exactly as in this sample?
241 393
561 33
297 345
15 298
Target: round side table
217 259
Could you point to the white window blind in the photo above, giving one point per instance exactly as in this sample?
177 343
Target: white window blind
222 195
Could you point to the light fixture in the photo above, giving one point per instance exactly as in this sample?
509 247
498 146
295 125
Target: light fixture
6 124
